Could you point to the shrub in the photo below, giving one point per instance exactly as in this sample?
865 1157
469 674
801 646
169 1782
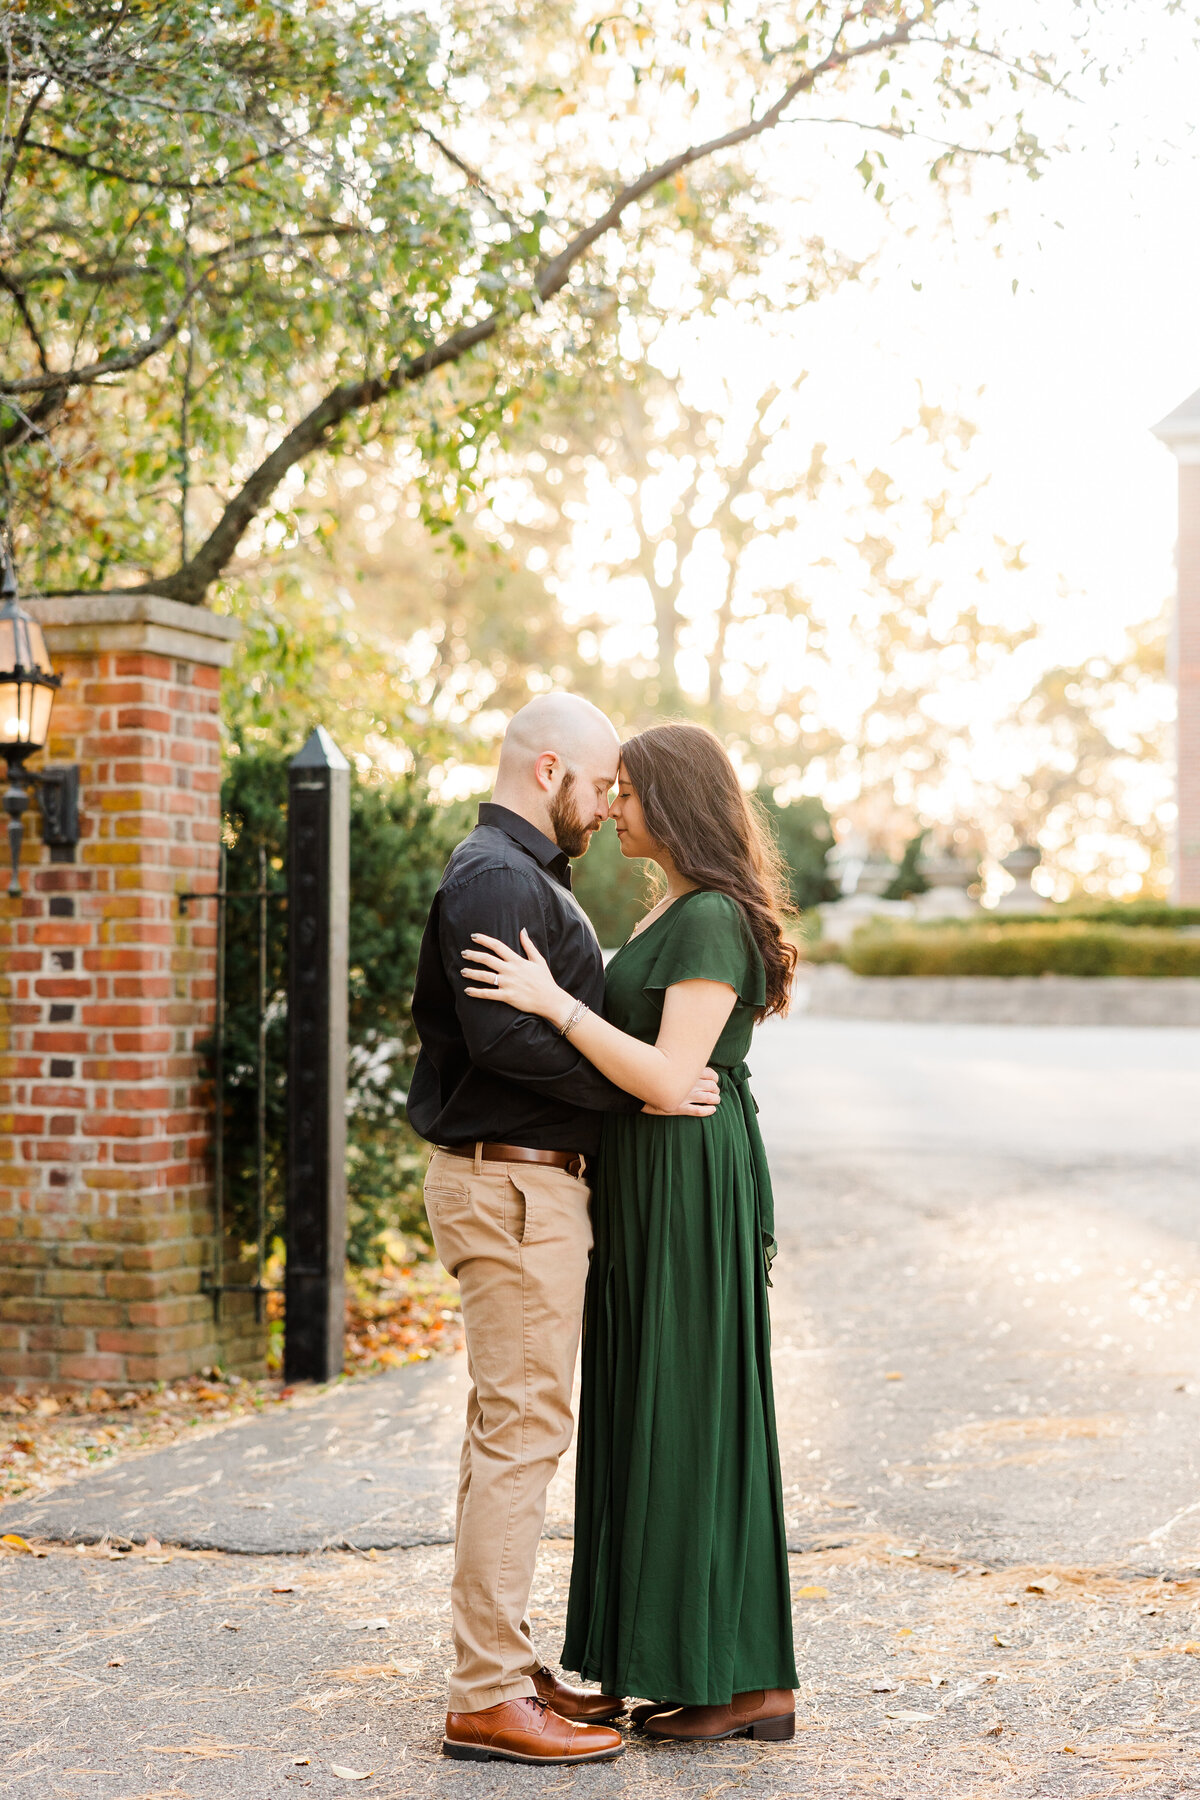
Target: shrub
1070 947
399 842
612 890
805 837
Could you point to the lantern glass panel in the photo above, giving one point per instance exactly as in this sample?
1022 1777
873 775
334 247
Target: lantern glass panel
41 700
10 715
36 654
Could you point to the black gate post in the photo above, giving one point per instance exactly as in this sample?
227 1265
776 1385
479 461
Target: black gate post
318 929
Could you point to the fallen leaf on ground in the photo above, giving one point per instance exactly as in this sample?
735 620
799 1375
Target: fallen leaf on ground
15 1541
202 1752
116 1662
894 1375
994 1729
283 1590
344 1774
912 1718
1002 1642
885 1687
812 1593
228 1625
301 1762
369 1625
1045 1584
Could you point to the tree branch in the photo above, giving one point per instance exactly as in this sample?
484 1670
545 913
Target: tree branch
22 304
474 179
64 379
61 380
19 137
108 274
191 582
166 187
26 424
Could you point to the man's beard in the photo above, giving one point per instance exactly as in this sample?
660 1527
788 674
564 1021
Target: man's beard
571 834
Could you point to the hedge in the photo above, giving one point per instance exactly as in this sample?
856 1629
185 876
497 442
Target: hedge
399 842
1071 947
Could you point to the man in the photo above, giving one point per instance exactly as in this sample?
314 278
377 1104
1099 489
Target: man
515 1113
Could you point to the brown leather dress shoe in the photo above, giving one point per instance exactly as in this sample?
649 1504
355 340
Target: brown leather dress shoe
526 1731
765 1713
576 1703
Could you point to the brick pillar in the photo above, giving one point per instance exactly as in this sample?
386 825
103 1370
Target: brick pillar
1180 431
105 1170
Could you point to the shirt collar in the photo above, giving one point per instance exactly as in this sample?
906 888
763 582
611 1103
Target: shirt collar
539 846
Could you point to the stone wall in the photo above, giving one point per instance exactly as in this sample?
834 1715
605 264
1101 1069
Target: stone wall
106 1220
829 991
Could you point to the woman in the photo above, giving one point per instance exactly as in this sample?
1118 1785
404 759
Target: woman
679 1589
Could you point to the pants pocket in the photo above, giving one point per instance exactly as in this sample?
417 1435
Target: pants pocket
515 1213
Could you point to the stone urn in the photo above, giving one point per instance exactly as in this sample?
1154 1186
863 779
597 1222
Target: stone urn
949 877
1020 864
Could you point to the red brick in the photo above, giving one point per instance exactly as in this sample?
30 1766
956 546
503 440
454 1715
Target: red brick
93 1368
128 1197
93 1313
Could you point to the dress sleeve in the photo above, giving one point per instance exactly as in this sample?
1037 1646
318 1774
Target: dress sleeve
709 940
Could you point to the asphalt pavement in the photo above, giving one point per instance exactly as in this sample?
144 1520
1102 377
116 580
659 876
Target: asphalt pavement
987 1354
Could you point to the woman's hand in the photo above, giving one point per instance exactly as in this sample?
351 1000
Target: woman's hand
524 982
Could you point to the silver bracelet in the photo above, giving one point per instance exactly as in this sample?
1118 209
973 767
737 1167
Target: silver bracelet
579 1009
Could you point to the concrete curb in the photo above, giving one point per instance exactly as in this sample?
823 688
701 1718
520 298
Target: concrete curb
830 991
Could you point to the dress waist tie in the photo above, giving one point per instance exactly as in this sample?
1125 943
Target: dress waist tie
737 1078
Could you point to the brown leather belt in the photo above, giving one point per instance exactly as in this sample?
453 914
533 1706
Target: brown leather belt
570 1160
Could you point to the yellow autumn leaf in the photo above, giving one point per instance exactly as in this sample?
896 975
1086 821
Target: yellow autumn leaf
344 1774
812 1593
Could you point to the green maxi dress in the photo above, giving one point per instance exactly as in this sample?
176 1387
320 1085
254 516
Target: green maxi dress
679 1588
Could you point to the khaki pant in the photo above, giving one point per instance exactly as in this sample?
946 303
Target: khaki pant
517 1238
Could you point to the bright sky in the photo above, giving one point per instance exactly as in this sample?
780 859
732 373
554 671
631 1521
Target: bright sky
1100 340
1064 377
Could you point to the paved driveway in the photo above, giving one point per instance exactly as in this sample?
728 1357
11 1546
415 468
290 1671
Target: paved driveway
987 1345
987 1305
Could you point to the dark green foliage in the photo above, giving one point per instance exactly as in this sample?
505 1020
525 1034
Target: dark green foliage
1157 914
254 805
611 888
805 838
1070 947
1154 915
399 841
908 879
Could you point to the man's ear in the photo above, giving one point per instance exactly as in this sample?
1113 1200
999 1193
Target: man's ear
546 770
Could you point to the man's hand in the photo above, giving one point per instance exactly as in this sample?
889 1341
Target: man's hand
703 1100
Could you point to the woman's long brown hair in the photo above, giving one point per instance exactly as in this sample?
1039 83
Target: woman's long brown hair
696 809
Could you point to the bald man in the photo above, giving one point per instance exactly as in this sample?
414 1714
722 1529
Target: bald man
515 1113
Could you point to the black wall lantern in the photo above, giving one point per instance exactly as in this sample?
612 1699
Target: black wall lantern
28 685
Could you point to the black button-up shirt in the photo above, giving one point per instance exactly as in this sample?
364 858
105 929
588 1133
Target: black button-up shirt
485 1070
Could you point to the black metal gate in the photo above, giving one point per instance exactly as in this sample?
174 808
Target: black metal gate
264 896
310 1144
